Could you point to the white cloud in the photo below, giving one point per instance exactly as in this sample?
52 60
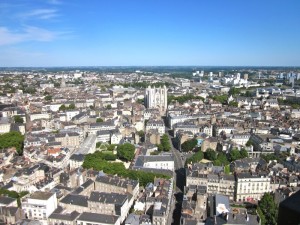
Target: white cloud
29 33
42 14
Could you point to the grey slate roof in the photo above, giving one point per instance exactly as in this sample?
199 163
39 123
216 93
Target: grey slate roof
109 198
116 181
64 216
77 157
98 218
6 200
79 200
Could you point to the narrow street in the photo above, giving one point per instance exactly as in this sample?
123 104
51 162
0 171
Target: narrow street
179 182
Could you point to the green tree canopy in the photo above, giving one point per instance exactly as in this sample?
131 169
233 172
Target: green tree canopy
99 120
18 119
72 106
210 154
126 151
141 133
234 155
249 143
13 194
233 103
221 159
48 98
165 142
12 139
97 162
198 156
160 147
267 210
184 98
62 108
220 98
233 91
189 145
244 153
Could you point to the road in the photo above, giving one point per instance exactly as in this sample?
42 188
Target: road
179 182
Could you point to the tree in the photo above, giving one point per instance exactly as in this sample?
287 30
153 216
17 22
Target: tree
269 157
248 94
268 210
220 98
249 143
13 194
234 155
141 133
140 100
233 103
99 120
222 159
18 119
62 108
98 144
227 169
160 147
48 98
126 151
198 156
12 139
109 106
233 91
97 162
184 98
189 145
165 142
210 154
72 106
244 153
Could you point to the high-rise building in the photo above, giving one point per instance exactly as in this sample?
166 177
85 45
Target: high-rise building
156 98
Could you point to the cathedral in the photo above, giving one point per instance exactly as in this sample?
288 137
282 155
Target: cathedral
156 98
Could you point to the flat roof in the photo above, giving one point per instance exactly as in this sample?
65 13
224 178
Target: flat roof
41 195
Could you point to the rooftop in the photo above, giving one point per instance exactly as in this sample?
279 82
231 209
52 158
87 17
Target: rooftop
40 195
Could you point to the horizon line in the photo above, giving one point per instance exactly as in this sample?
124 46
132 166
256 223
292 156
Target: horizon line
145 66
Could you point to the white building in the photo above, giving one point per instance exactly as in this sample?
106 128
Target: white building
156 98
157 125
165 162
240 139
295 113
76 161
185 127
71 113
115 138
4 125
38 116
39 205
251 187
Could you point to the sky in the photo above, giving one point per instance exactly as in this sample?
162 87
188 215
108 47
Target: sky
50 33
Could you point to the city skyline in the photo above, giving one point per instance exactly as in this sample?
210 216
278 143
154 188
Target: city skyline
175 33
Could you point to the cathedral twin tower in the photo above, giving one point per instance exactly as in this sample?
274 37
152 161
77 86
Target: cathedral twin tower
156 98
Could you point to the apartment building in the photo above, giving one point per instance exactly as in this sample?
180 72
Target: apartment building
39 205
251 186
